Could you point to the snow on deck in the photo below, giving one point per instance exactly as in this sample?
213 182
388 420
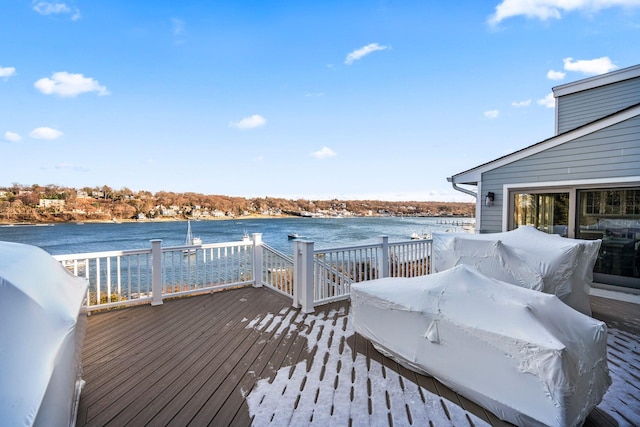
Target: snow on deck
338 385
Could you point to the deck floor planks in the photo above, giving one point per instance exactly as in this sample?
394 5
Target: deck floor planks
150 362
125 340
171 379
208 367
194 396
618 314
287 353
111 335
224 403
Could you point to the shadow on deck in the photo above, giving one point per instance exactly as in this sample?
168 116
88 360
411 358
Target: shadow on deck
246 356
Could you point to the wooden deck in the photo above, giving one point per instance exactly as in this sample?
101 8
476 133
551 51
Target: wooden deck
245 356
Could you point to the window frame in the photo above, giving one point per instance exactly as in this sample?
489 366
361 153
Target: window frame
570 186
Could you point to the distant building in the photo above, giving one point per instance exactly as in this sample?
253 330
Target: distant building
170 211
584 182
51 203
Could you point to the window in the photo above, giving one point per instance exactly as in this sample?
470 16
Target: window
612 215
632 202
548 212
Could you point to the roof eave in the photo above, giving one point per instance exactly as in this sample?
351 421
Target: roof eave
474 175
596 81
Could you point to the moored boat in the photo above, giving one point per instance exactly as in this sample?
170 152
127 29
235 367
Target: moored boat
190 240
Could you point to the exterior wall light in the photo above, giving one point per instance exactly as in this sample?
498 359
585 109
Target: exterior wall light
489 199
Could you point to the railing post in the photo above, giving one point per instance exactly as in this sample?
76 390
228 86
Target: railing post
383 260
297 275
303 275
156 272
257 260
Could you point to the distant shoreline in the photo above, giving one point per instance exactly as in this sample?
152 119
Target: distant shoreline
5 223
128 220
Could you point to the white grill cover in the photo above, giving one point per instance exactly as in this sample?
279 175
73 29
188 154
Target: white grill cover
523 355
40 336
565 265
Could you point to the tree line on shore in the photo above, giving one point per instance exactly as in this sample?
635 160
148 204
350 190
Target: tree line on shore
52 203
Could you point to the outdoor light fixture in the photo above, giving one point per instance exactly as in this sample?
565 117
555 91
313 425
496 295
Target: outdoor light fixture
488 201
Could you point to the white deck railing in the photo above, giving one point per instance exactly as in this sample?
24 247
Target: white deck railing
326 275
277 271
310 278
119 278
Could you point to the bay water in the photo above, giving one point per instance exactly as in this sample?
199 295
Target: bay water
72 238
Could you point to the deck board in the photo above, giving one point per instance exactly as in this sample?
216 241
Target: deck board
197 360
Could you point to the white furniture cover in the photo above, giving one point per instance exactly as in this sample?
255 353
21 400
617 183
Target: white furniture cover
564 265
41 332
521 354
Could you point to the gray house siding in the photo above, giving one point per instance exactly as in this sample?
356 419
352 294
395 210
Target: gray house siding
580 108
608 153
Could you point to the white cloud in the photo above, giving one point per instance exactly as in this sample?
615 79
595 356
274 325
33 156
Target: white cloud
12 136
323 153
552 9
548 101
48 8
589 66
71 166
491 114
313 95
177 26
363 51
555 75
249 122
7 72
69 85
519 104
45 133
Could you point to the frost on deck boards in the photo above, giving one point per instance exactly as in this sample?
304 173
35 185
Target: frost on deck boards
245 356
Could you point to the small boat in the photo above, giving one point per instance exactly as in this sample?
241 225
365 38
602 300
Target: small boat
246 237
416 236
293 236
190 240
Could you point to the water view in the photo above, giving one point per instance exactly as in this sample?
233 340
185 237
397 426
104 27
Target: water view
69 238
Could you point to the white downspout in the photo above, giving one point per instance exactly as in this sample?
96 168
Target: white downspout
473 194
464 190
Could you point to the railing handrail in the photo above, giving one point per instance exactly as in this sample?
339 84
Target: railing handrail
277 252
311 276
348 248
207 246
102 254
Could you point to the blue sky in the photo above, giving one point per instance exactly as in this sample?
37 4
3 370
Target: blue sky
298 99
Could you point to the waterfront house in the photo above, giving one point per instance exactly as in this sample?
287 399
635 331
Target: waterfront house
51 203
584 182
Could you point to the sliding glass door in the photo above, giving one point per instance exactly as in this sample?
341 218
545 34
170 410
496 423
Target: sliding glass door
548 212
589 212
613 215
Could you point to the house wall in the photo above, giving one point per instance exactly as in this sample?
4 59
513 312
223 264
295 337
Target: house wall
612 152
580 108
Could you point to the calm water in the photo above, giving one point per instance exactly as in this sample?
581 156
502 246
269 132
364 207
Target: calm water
325 232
